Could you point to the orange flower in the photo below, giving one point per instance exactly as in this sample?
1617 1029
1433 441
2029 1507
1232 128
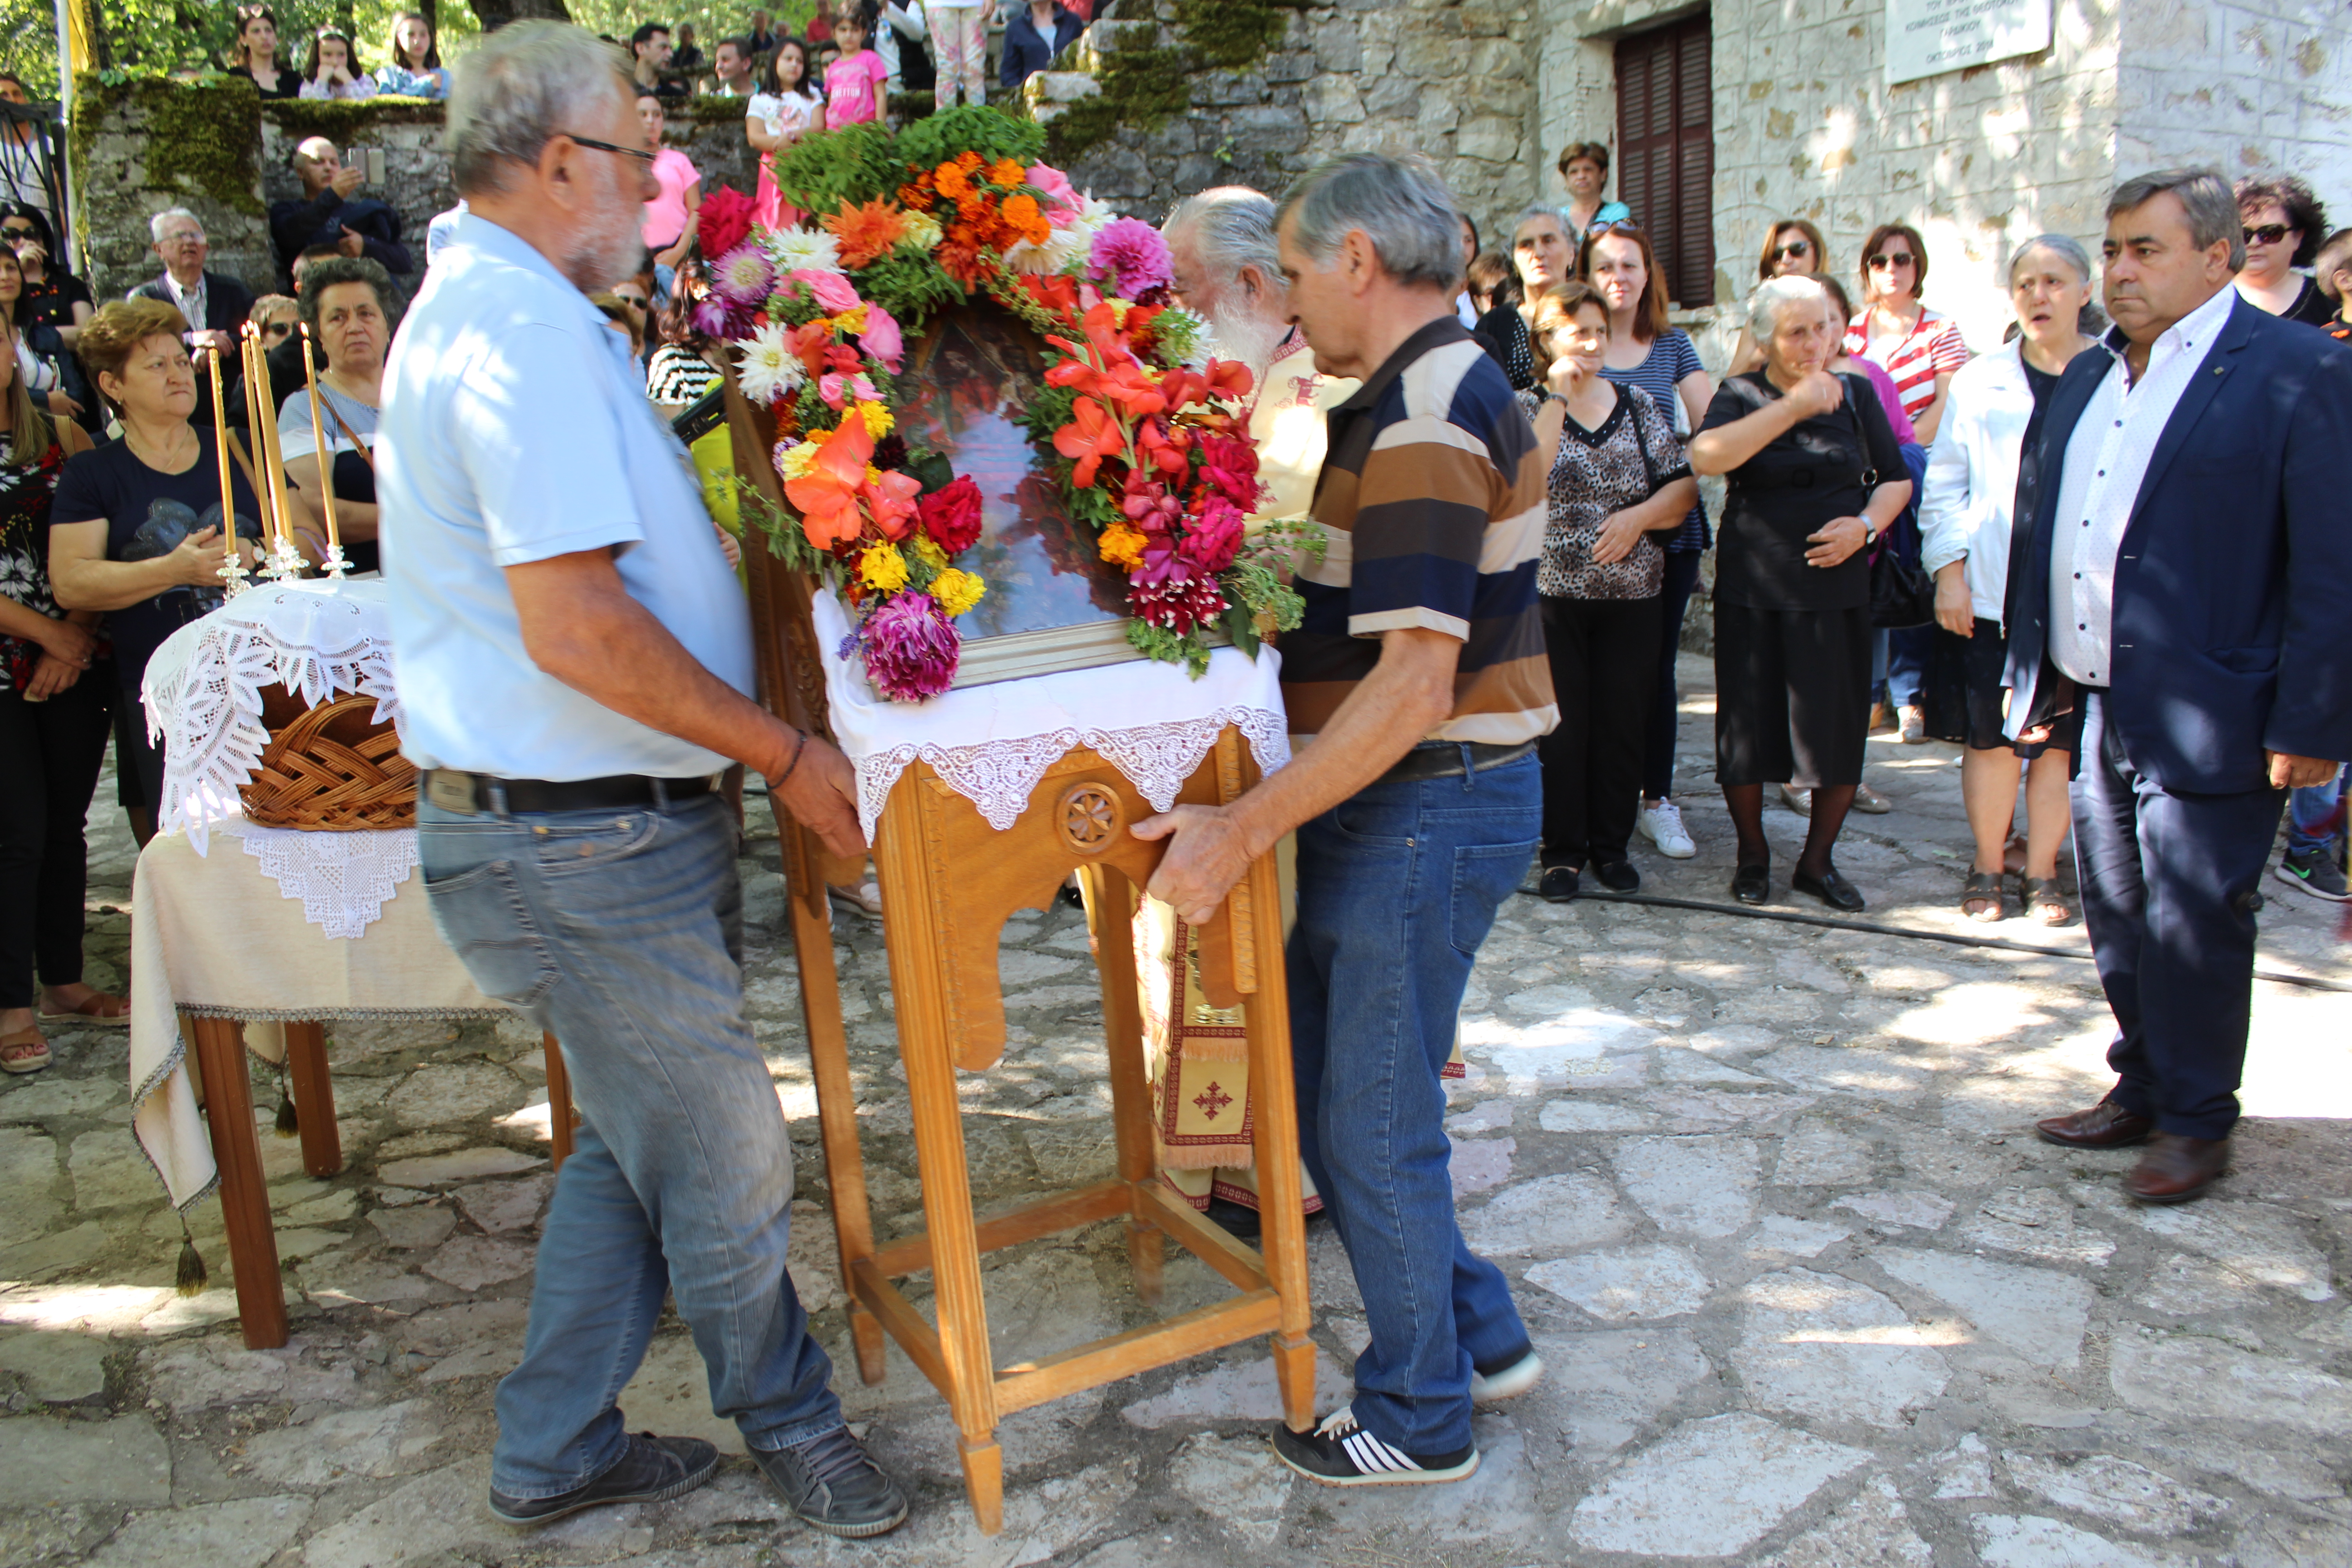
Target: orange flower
1006 173
1025 219
959 257
949 179
918 197
828 494
866 233
1121 546
969 160
1091 435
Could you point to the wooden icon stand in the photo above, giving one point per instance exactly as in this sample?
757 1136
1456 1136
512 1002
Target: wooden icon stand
949 881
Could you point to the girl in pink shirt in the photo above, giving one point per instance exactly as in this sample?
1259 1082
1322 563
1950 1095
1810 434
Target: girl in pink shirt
854 83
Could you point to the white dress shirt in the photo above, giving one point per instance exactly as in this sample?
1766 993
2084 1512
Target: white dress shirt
2106 461
190 301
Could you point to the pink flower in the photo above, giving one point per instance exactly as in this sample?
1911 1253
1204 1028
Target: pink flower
833 387
832 292
744 274
1215 536
911 649
882 340
716 316
1131 255
1179 603
1062 204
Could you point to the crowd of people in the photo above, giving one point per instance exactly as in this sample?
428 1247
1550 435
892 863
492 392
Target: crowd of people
1937 445
1976 548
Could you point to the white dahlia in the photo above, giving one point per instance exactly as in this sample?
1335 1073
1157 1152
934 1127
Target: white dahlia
768 369
810 250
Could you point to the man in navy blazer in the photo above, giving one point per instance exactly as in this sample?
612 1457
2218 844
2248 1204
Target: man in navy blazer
2188 584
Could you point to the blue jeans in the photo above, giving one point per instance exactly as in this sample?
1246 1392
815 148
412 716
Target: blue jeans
622 934
2310 814
1397 887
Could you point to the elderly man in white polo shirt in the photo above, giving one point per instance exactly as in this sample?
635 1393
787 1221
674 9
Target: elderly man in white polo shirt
573 658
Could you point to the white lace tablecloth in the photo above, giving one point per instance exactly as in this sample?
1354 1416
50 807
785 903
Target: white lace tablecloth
992 743
203 687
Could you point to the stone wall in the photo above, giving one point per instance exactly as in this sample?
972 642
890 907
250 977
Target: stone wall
1448 79
2255 86
121 176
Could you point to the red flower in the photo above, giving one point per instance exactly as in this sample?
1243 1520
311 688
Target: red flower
726 219
1231 466
951 515
1214 538
1091 435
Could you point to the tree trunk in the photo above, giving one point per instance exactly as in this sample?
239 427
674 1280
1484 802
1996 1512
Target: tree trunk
496 14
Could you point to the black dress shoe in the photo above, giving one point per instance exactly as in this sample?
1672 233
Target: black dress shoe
2105 1125
1559 884
1830 887
1617 875
650 1470
1752 884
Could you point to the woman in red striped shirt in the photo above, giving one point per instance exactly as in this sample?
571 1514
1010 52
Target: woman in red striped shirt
1921 349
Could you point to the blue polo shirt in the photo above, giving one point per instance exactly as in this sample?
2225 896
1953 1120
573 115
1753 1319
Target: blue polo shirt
515 430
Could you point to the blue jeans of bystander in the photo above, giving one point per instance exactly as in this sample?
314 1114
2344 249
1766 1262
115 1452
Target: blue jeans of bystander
2311 822
622 934
1397 887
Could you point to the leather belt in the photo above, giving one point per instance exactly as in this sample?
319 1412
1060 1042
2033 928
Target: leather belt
1444 759
471 794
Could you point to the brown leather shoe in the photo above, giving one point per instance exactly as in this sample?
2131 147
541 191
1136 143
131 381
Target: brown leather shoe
2105 1125
2176 1169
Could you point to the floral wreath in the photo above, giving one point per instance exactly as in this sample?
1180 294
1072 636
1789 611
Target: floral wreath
1135 423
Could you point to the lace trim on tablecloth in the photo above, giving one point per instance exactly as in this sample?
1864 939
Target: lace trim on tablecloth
344 879
204 695
998 777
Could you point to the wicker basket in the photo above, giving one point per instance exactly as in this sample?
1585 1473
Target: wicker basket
332 768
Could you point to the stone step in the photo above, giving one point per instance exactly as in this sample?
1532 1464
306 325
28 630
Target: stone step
1109 37
1058 86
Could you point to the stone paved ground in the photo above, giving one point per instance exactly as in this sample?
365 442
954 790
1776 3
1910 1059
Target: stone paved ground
1809 1293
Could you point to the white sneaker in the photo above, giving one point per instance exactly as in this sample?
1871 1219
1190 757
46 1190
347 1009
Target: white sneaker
1505 1381
1661 823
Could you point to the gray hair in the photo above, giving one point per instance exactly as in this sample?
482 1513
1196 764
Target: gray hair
2064 246
1399 203
514 92
1538 210
1231 228
1772 296
2205 196
155 225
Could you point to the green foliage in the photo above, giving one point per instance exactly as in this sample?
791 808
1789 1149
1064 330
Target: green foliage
910 287
1159 643
1142 86
343 121
977 128
202 136
833 169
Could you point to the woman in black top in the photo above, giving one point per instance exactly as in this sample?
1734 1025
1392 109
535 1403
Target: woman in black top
1542 254
256 54
1815 476
136 528
56 697
2284 224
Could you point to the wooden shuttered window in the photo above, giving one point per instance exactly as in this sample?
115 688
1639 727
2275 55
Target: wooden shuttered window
1665 152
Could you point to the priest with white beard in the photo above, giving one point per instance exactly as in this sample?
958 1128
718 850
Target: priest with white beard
1227 273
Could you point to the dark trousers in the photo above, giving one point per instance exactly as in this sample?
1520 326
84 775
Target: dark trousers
1604 665
2166 880
1666 699
50 753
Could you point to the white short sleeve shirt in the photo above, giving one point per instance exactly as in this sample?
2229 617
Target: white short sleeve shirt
515 429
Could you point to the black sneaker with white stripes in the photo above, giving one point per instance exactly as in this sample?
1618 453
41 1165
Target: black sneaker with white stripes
1339 1453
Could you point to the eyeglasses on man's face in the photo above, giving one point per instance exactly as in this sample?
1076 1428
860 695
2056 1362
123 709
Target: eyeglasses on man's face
2267 234
639 154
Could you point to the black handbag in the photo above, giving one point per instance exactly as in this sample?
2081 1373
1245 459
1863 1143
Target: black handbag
1902 595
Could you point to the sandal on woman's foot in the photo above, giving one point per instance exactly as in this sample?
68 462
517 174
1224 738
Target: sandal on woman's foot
2044 902
24 1051
97 1008
1982 898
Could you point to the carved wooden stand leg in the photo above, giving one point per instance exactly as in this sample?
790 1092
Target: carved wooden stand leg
314 1099
836 1102
1109 901
244 1194
1282 1220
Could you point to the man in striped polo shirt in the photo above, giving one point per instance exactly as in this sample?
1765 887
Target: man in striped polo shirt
1419 678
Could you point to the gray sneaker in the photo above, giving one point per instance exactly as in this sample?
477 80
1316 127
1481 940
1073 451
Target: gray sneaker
2316 872
834 1485
650 1470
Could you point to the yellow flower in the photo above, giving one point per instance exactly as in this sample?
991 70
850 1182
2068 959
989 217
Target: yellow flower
928 552
922 232
878 419
873 475
797 459
850 320
1119 310
956 590
882 568
1123 546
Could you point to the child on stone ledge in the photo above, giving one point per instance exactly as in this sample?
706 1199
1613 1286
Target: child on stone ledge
853 84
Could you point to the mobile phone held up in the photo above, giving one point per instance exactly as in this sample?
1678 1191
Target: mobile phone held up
372 162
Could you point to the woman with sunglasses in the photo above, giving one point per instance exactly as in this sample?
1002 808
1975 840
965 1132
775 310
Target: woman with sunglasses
1644 351
254 54
1793 247
54 299
2283 226
39 371
1921 349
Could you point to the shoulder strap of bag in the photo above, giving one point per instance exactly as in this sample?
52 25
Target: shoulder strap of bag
1641 438
1860 436
348 434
